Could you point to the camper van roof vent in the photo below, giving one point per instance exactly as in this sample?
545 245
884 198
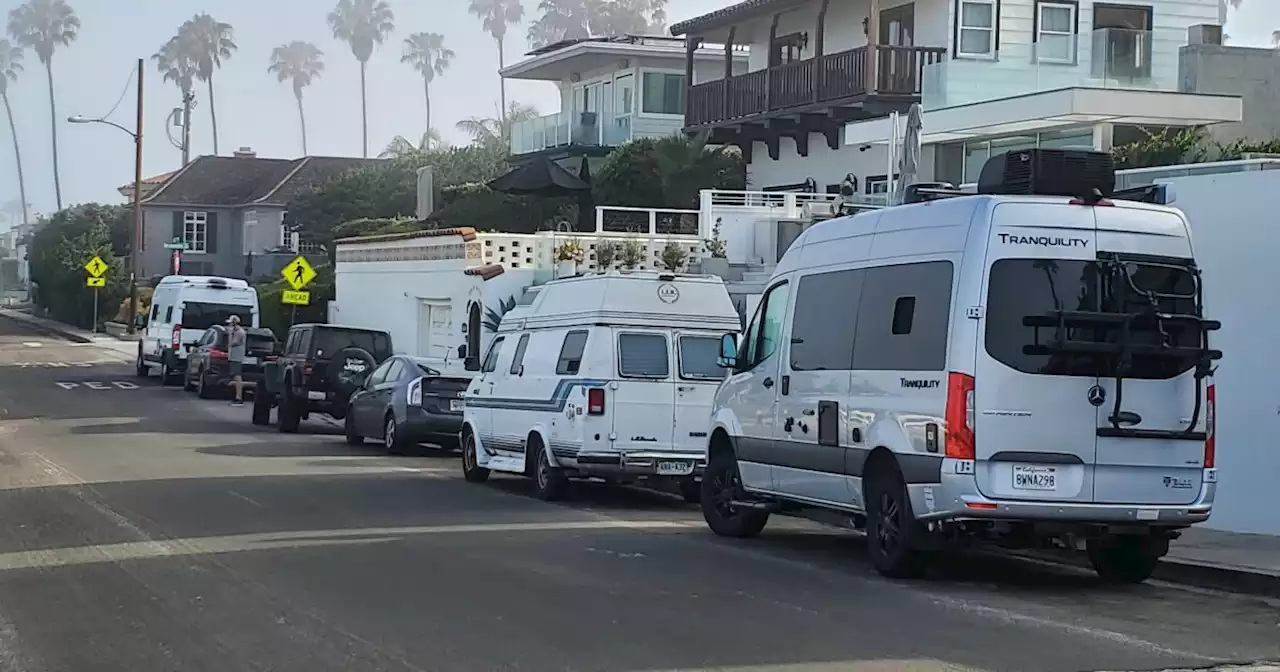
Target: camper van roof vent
1050 172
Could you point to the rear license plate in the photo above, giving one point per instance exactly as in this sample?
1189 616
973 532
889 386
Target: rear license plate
455 404
1027 477
250 360
674 468
315 396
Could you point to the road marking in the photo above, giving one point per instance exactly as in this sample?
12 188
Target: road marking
33 344
62 365
165 548
247 499
97 385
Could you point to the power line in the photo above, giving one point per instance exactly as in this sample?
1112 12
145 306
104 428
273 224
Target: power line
123 92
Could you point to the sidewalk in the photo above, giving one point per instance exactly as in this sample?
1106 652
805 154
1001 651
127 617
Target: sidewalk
1248 563
69 332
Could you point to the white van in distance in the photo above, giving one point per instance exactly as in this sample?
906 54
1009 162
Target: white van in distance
1029 365
182 308
610 376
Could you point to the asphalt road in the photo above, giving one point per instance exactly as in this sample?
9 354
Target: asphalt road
142 529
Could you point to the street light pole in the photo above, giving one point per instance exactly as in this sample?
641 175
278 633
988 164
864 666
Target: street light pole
135 253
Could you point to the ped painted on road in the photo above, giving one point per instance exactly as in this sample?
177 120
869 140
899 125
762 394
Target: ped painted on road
62 365
97 385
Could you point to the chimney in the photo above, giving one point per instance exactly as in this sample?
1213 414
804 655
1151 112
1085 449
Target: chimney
245 153
1204 34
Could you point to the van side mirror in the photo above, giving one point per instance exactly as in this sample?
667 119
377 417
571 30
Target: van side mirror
471 364
728 351
462 351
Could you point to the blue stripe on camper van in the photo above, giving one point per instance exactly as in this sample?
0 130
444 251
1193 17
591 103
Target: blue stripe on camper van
555 404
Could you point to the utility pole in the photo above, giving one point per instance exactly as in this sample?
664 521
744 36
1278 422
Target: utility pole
135 254
188 102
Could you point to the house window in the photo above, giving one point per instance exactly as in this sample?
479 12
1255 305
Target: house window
195 231
976 31
788 48
662 93
1121 41
1056 32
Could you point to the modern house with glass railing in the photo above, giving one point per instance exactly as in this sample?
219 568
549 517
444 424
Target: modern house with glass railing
613 90
991 75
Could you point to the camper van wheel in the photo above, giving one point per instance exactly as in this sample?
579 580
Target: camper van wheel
471 469
892 529
550 484
721 488
140 366
1126 559
261 408
690 489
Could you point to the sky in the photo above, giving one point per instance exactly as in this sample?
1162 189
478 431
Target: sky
254 110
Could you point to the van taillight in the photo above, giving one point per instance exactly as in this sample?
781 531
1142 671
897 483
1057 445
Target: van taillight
176 339
960 412
1210 426
595 401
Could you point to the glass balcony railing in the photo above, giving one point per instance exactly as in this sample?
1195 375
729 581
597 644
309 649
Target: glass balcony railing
1107 58
563 129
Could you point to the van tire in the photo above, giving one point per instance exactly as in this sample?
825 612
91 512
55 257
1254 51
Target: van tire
262 408
721 484
892 529
140 367
471 469
690 489
1126 558
550 483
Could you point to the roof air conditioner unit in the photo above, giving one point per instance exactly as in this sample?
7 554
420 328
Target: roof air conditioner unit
818 210
1049 172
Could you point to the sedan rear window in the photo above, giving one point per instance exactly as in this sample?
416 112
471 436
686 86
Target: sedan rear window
1034 288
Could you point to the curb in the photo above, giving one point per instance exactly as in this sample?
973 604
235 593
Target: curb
1227 578
47 328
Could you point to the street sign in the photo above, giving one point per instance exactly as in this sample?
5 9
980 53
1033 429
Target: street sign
176 244
298 273
96 267
296 298
95 282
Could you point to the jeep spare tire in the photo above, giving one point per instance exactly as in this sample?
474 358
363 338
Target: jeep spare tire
346 373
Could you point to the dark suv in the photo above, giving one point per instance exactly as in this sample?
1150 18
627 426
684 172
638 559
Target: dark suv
321 367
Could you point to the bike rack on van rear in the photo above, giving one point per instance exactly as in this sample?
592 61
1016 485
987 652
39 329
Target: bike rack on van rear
1117 284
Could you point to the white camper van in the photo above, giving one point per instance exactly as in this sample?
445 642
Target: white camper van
182 308
1021 366
608 376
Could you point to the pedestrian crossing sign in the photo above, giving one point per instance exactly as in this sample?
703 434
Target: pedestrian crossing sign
95 282
97 267
298 273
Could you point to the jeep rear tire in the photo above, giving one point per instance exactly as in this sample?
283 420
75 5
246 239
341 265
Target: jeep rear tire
262 408
290 414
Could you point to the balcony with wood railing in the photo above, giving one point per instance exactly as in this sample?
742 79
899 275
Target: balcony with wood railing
830 79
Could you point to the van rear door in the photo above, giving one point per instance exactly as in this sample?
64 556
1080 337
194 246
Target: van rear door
1034 424
1145 454
699 377
640 403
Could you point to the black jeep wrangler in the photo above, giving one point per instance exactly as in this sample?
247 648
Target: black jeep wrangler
321 367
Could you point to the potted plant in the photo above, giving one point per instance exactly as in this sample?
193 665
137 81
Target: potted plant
716 262
631 253
606 254
674 257
568 255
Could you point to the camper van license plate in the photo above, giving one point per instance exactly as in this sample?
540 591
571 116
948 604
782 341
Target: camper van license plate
1027 477
674 468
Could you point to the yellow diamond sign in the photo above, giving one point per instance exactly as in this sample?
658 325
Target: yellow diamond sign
97 267
298 273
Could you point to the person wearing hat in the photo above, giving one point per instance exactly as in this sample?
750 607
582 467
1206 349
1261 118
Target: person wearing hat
236 339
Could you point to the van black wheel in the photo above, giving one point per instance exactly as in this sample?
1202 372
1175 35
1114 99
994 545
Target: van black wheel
261 409
471 469
549 483
290 415
349 425
892 529
1126 559
140 365
690 489
721 487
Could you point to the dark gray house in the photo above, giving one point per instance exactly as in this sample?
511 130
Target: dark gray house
230 212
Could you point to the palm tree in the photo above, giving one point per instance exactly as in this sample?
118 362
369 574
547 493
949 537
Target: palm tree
363 24
491 130
176 64
10 68
579 19
43 26
402 147
495 16
428 55
210 43
299 62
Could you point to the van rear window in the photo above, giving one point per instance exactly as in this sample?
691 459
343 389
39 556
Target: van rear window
698 358
643 356
202 315
1020 288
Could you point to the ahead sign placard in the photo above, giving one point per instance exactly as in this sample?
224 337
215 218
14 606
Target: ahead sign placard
95 282
296 298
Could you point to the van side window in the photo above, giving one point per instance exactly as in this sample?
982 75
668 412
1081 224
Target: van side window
760 340
168 315
825 321
575 343
643 356
155 311
517 361
491 359
894 334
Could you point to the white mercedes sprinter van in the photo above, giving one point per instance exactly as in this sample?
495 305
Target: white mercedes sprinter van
608 376
182 308
1028 365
